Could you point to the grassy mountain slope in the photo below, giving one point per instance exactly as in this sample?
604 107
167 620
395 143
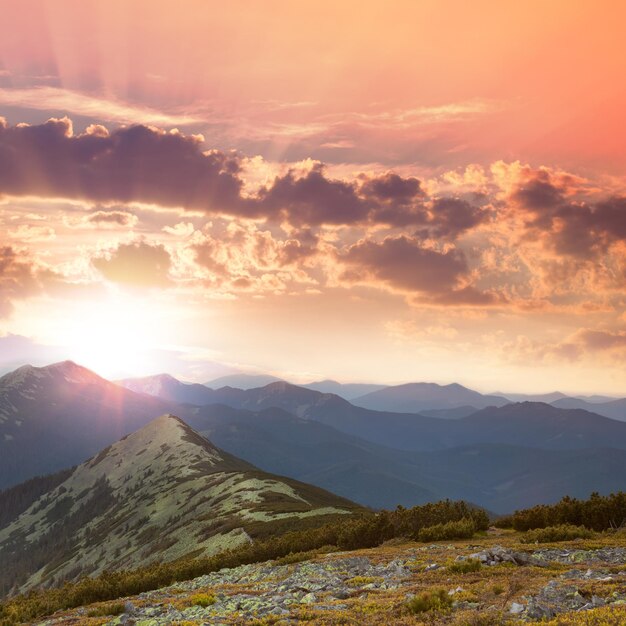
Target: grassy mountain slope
163 492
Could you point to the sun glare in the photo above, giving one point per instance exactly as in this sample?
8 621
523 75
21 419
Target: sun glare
115 335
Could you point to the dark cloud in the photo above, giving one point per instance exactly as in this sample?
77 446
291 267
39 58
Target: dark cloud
403 263
138 264
144 164
391 187
136 163
314 199
538 194
112 218
579 229
301 245
450 217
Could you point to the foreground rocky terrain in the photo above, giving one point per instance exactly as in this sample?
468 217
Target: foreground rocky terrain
492 580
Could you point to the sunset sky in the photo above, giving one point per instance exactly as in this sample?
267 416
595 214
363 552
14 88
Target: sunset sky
366 191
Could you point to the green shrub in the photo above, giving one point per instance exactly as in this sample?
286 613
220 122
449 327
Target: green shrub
113 608
550 534
464 567
597 513
506 521
461 529
203 599
435 600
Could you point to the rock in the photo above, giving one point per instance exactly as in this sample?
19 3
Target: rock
498 554
516 608
310 598
555 598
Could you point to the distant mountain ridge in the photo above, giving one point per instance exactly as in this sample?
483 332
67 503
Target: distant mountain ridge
347 391
416 397
168 388
55 417
163 491
242 381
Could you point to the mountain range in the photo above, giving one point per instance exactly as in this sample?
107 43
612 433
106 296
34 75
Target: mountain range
55 417
451 401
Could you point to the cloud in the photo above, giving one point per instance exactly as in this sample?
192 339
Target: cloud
570 222
112 219
403 263
20 278
314 199
137 264
33 232
67 101
131 164
147 165
600 344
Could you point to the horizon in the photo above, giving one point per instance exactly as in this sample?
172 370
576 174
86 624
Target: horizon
431 194
244 374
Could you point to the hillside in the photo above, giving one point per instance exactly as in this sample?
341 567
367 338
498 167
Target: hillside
162 492
614 409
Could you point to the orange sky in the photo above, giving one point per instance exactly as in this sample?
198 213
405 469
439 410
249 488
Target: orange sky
494 255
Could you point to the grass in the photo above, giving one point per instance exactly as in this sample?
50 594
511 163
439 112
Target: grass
436 600
203 599
104 610
464 567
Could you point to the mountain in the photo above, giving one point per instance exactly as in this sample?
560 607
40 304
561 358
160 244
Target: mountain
242 381
614 409
168 388
498 476
532 424
450 414
525 397
56 416
417 397
539 425
161 493
312 452
348 391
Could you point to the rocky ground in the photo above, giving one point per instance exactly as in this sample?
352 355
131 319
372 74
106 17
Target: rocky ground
574 583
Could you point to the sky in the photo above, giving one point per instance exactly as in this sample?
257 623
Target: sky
364 191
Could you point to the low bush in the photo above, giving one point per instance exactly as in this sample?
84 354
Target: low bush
436 600
464 567
114 608
203 600
461 529
550 534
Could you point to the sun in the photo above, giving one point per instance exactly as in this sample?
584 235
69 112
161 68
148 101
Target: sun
114 335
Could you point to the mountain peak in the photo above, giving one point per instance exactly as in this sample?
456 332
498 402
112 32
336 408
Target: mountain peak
147 448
